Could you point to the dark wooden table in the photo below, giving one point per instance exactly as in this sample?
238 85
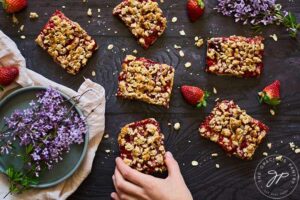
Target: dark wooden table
234 179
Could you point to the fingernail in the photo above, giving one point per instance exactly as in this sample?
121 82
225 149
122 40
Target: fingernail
112 195
169 154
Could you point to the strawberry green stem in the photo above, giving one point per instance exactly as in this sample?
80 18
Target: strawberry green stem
203 102
201 4
4 4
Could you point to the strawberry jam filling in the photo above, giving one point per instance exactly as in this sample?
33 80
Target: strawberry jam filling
235 55
235 131
150 158
146 80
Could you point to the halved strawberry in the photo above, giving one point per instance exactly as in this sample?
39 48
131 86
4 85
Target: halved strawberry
8 75
195 9
271 94
194 95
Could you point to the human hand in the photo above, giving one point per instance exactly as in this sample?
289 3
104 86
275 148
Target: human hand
133 185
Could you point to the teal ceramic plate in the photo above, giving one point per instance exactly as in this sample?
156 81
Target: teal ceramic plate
20 99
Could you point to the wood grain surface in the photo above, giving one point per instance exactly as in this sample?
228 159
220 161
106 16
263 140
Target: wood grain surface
234 179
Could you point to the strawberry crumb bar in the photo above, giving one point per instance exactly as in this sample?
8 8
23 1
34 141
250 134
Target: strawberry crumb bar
144 18
233 129
142 146
145 80
66 42
235 56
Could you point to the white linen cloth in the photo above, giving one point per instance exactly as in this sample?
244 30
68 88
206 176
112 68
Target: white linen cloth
10 55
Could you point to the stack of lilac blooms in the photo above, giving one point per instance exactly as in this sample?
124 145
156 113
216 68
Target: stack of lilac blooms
48 127
253 12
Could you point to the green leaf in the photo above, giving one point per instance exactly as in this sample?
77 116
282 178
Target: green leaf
1 88
10 172
201 4
290 22
29 149
4 4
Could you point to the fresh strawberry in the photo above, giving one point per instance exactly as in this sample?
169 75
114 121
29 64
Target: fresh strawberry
195 9
8 75
271 94
194 95
12 6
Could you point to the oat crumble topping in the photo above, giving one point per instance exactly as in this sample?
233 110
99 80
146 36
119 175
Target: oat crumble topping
142 146
144 18
66 42
145 80
235 55
233 129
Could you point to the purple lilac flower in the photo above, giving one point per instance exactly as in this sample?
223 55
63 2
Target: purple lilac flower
48 125
253 12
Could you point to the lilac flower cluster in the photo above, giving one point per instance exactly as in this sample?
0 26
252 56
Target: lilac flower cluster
253 12
46 129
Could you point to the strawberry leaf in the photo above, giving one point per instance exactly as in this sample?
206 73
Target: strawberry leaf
268 100
201 4
4 4
203 102
1 88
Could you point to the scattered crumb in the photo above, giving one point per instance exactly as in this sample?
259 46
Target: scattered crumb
21 27
123 49
188 64
93 73
84 1
217 166
169 124
199 42
274 36
217 99
174 19
23 37
33 15
182 32
162 1
272 112
106 136
110 47
265 153
278 158
63 7
135 51
177 46
215 90
269 145
89 12
15 19
195 163
292 145
177 126
107 151
181 53
99 10
294 148
214 154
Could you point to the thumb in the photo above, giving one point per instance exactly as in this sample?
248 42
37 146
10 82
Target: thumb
172 165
